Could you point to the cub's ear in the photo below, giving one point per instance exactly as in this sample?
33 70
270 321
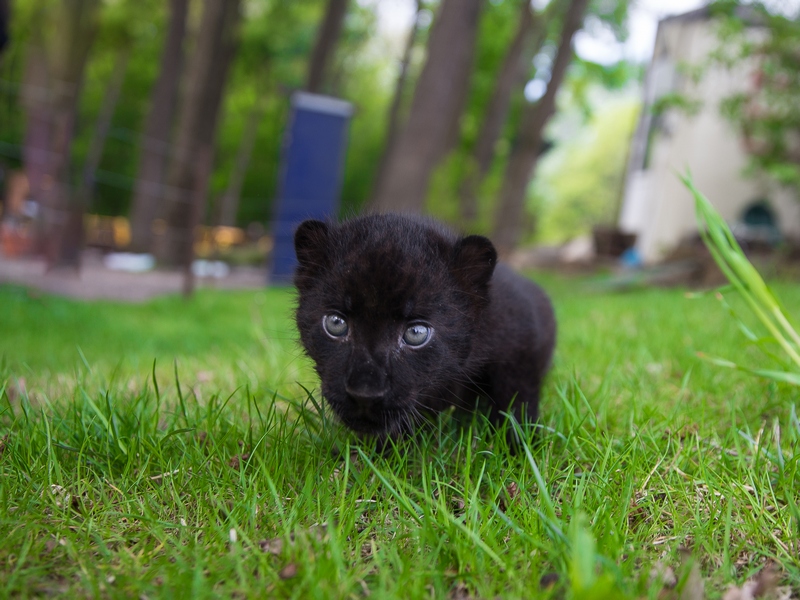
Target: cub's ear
311 243
474 261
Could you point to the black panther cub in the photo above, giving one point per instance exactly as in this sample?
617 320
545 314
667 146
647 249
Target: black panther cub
402 316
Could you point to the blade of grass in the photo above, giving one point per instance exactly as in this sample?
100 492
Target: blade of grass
784 376
412 508
745 278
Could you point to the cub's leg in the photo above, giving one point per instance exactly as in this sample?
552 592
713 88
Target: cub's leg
517 395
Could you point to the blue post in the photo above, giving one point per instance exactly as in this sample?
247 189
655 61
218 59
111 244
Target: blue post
312 165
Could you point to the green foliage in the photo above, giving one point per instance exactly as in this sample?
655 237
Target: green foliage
677 102
497 28
580 182
361 77
766 113
121 25
612 14
276 39
584 77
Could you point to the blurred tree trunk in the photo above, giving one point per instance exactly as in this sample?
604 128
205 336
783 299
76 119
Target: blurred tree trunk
393 120
148 194
527 41
526 149
202 173
102 126
54 78
37 126
230 199
197 125
328 36
431 129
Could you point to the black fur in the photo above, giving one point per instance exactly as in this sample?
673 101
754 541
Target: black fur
493 331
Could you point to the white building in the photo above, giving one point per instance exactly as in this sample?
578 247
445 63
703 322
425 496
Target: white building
657 207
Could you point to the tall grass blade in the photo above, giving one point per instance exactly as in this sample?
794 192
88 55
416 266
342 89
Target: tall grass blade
732 261
784 376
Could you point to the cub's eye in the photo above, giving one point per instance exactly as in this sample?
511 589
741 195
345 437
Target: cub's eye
417 335
334 325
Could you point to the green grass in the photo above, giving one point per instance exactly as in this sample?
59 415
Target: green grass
214 473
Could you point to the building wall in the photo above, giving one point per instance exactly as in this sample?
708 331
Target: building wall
657 206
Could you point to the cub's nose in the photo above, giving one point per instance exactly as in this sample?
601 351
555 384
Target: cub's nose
366 385
365 397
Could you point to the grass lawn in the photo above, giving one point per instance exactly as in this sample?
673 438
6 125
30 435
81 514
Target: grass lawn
176 449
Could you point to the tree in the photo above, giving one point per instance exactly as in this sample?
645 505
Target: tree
229 203
272 56
528 143
527 40
431 129
102 126
148 194
119 34
197 125
325 47
393 116
56 62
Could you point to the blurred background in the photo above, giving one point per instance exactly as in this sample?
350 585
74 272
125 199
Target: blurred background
191 136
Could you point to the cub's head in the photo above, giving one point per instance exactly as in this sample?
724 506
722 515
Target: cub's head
387 308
